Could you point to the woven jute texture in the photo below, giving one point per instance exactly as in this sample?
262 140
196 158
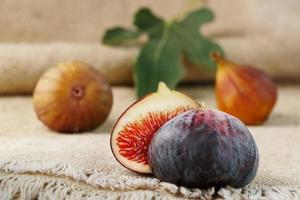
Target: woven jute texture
21 65
35 36
38 163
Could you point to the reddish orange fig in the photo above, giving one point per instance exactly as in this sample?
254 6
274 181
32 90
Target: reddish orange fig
72 97
135 128
245 92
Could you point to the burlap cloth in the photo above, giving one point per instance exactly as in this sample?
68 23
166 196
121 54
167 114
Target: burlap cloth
35 35
36 162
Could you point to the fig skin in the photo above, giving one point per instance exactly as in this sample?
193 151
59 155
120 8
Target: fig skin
72 97
244 92
204 148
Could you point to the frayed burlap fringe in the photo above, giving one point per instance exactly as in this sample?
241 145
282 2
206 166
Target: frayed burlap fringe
28 186
49 180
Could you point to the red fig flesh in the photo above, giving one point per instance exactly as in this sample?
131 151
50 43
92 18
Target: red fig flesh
135 128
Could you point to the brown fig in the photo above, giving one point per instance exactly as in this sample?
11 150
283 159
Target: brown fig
72 97
244 92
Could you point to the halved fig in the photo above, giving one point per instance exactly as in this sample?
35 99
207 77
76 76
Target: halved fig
135 128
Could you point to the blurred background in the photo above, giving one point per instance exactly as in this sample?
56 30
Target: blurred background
35 35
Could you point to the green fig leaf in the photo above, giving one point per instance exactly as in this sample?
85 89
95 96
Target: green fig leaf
160 57
119 35
195 19
159 60
146 22
197 48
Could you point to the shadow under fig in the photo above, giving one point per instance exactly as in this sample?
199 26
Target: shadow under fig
106 127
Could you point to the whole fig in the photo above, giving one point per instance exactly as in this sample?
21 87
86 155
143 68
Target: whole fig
72 97
244 92
204 148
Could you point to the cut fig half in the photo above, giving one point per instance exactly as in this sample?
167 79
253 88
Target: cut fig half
135 128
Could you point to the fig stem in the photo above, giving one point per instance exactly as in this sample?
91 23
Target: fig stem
163 88
221 61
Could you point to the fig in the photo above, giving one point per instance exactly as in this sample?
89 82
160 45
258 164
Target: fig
72 97
244 92
204 148
135 128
